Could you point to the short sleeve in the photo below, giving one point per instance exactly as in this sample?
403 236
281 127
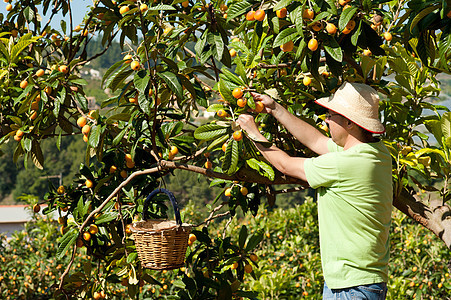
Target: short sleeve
322 171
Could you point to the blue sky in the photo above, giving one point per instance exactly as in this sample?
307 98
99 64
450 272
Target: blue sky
79 9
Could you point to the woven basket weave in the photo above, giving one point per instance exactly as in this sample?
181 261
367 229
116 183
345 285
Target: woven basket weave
161 244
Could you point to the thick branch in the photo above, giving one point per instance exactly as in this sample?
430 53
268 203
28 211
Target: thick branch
437 219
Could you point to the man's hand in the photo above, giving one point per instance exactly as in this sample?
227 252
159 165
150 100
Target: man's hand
247 123
269 103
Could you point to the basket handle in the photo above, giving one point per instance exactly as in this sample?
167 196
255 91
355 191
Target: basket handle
171 196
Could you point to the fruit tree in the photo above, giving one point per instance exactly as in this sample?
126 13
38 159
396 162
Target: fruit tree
177 63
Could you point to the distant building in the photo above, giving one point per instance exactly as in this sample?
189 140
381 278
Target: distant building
13 218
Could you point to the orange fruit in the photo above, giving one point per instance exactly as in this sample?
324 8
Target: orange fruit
63 69
130 164
128 157
241 102
40 73
449 14
237 93
143 7
223 7
93 229
253 257
19 132
34 105
313 44
81 121
250 16
124 174
89 183
349 27
387 36
77 28
185 3
248 268
135 65
48 90
331 28
281 13
234 265
224 147
342 2
124 9
174 150
317 26
259 106
86 236
232 52
306 81
113 169
36 208
9 7
259 15
128 58
23 84
208 164
192 237
244 191
96 296
34 115
17 138
308 14
85 138
61 190
228 192
287 47
367 52
86 129
283 72
238 135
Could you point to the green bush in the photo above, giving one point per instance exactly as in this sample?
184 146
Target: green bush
288 263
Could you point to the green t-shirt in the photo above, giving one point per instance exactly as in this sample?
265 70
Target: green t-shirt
354 189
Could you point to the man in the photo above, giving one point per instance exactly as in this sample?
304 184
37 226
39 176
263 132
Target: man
352 176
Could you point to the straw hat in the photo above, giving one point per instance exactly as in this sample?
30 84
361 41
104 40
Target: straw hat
357 102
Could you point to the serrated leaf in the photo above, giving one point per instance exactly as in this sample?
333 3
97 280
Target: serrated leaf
285 36
445 123
162 7
36 155
263 168
282 4
219 45
141 80
345 17
225 92
333 49
422 14
172 82
219 141
111 70
215 107
94 136
209 132
229 165
66 242
118 78
237 9
242 236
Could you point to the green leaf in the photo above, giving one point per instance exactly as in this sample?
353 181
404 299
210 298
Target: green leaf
118 78
111 70
446 125
215 107
219 45
36 155
237 9
67 241
210 132
229 165
422 14
218 142
131 257
345 17
282 4
242 237
94 136
141 80
28 13
263 168
225 92
285 36
254 240
173 83
333 49
162 7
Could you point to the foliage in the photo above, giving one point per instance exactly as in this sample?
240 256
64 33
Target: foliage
288 263
132 140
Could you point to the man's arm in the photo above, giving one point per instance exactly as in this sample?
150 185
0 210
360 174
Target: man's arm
288 165
305 133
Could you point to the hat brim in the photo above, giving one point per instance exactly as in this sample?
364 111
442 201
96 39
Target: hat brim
371 125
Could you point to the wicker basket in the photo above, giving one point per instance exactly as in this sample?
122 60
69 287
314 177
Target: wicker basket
161 244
